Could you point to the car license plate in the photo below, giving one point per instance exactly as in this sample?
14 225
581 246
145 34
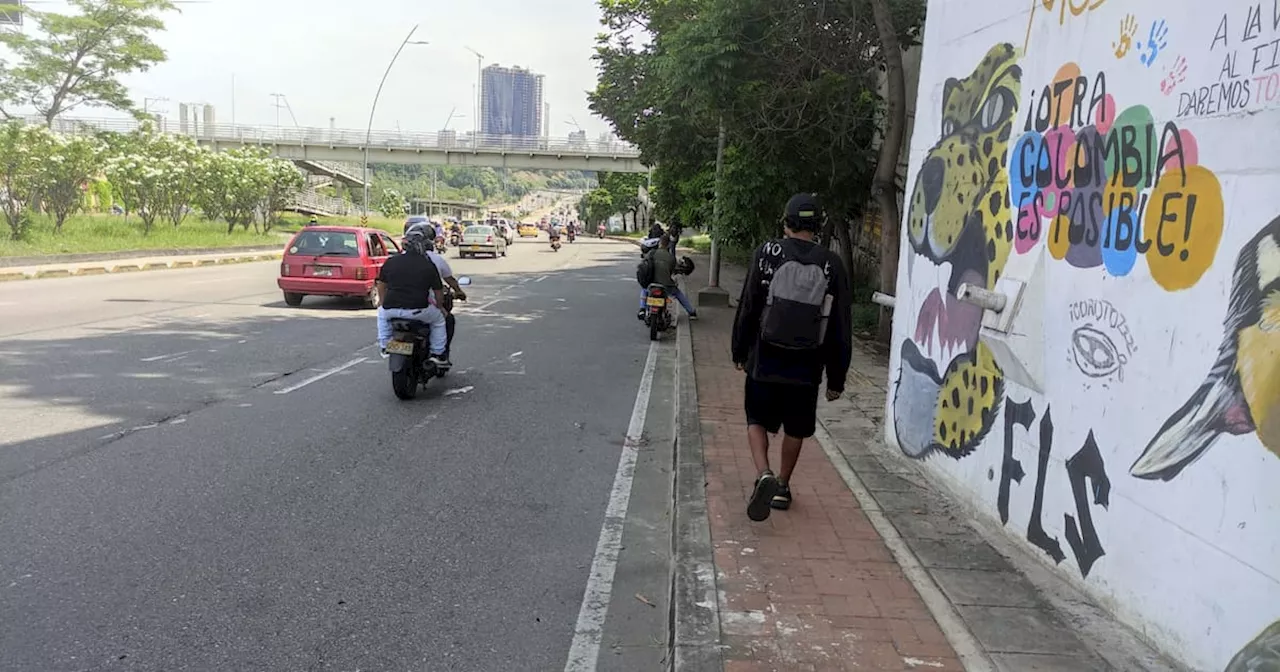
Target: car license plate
656 301
322 272
475 248
399 348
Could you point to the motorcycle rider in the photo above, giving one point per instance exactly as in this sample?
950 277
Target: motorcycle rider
571 230
446 274
410 287
554 232
664 267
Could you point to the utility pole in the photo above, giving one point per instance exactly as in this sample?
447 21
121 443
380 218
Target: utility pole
713 294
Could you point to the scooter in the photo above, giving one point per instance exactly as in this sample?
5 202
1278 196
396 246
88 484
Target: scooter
408 354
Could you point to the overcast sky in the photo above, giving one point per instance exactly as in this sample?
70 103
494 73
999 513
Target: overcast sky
326 57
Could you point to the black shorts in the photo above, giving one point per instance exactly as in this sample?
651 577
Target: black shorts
774 406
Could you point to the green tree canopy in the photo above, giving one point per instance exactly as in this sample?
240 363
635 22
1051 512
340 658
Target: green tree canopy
78 59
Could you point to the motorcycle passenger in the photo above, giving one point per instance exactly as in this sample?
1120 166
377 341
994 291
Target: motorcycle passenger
446 274
410 287
313 221
664 268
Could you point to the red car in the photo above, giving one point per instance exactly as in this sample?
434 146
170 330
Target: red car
334 261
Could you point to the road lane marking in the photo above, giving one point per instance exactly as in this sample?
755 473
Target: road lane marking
168 356
485 306
542 278
585 649
321 376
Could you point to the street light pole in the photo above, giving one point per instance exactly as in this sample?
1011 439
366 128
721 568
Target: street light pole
368 133
475 138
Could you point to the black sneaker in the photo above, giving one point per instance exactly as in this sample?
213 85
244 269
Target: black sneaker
439 361
782 498
640 315
761 496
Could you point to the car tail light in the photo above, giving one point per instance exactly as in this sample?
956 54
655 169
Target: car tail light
488 239
284 269
361 272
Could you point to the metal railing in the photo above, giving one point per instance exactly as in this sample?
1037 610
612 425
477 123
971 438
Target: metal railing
390 140
310 200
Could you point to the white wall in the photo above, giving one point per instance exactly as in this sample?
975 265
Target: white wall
1127 428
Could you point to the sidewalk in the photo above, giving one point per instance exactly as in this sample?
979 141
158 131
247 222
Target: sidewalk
135 264
872 568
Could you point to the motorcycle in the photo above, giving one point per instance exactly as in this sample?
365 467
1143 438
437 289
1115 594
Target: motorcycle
455 239
440 246
572 235
600 233
658 316
408 353
555 244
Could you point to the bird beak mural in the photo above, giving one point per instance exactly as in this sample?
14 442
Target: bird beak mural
1241 394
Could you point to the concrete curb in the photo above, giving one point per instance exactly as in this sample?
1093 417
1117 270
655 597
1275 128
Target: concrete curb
49 259
104 269
695 609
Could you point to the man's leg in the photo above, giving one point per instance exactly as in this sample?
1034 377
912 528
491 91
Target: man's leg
762 419
450 324
384 328
684 301
799 423
439 337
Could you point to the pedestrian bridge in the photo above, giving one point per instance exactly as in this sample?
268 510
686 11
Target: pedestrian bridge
445 148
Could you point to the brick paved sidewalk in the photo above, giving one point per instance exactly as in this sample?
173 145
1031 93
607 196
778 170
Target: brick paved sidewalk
814 587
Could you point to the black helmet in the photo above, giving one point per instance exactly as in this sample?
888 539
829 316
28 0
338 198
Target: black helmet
419 239
685 266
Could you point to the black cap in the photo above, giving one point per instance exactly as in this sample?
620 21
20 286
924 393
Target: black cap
803 212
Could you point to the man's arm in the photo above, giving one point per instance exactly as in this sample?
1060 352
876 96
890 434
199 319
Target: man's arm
746 323
839 338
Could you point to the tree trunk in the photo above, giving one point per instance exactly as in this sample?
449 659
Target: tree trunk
845 250
884 183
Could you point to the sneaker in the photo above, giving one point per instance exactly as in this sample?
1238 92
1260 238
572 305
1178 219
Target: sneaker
382 352
782 498
439 361
640 315
761 496
693 317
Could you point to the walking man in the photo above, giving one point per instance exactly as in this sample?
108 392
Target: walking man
793 323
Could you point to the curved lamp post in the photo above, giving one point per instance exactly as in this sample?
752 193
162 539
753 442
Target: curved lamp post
368 133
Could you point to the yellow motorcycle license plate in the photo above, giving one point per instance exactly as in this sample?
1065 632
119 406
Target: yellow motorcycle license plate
399 348
656 301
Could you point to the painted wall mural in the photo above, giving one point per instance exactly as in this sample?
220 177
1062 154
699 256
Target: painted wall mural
1131 150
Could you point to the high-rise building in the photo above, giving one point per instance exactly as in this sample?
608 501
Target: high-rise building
511 102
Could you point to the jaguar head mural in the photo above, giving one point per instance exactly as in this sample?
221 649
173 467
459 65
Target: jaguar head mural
960 227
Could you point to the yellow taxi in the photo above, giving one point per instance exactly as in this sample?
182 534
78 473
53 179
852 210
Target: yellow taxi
527 230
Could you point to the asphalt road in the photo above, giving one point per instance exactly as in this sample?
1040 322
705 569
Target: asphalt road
194 476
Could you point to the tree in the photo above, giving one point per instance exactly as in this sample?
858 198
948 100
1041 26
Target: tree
64 174
884 185
284 181
23 149
392 204
79 59
599 205
624 192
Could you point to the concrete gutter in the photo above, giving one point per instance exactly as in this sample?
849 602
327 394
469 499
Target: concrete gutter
695 612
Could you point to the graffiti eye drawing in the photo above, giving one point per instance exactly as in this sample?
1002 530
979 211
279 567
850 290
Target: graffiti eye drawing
1095 353
1157 40
1128 28
996 109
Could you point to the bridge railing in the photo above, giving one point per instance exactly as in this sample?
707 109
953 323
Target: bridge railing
310 200
395 140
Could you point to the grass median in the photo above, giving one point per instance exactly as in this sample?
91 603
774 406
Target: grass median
93 233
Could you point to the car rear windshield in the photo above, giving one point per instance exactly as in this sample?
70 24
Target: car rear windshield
328 243
480 230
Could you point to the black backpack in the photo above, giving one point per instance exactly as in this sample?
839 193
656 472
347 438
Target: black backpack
797 307
645 271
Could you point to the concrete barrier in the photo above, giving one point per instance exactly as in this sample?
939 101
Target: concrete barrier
155 266
207 262
7 277
183 264
54 273
126 268
92 270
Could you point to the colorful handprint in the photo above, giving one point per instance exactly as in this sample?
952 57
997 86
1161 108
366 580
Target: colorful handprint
1128 28
1157 40
1174 76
